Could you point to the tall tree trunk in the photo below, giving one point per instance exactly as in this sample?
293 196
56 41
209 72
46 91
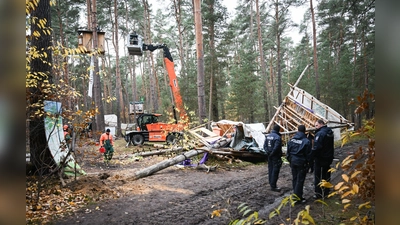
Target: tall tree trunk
131 71
251 18
262 61
271 89
107 85
200 61
317 88
213 96
40 154
278 53
155 95
120 99
66 102
134 88
99 118
178 19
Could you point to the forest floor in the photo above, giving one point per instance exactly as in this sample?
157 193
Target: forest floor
175 195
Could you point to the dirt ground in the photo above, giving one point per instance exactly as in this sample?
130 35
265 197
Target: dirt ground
179 195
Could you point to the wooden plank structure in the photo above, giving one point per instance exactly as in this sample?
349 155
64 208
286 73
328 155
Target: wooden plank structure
300 107
85 40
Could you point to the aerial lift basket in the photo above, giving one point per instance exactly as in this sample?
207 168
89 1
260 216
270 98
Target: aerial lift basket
135 44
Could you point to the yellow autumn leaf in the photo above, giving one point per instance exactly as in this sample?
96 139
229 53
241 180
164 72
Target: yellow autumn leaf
337 186
326 184
366 205
347 193
343 188
216 213
345 177
332 194
355 188
321 201
355 174
348 162
365 219
344 201
346 206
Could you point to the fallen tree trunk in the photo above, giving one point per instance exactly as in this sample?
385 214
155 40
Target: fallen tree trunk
164 164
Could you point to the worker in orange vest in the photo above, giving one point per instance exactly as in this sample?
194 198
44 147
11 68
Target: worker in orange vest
106 141
67 136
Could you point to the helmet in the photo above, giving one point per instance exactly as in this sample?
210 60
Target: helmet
65 126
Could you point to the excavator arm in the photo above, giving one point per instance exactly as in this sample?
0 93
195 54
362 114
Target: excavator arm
136 47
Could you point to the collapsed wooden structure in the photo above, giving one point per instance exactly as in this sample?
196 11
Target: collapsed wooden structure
301 108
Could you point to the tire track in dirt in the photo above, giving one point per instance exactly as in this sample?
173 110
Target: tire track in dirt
197 208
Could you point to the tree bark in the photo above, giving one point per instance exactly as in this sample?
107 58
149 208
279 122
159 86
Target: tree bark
200 61
278 52
178 18
40 154
262 61
317 88
120 99
98 103
213 99
155 95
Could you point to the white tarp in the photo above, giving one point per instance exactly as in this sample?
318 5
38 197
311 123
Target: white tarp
110 120
55 137
255 130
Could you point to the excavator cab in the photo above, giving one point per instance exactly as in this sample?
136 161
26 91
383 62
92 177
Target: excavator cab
135 44
145 119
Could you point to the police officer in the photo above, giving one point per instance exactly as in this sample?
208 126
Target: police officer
273 148
298 150
322 153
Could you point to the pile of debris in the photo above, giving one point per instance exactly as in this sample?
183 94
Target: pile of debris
232 138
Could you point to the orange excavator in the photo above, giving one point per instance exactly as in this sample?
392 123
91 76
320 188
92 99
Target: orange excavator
148 126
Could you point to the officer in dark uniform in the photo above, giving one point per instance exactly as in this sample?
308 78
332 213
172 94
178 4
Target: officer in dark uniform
273 148
322 153
298 150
